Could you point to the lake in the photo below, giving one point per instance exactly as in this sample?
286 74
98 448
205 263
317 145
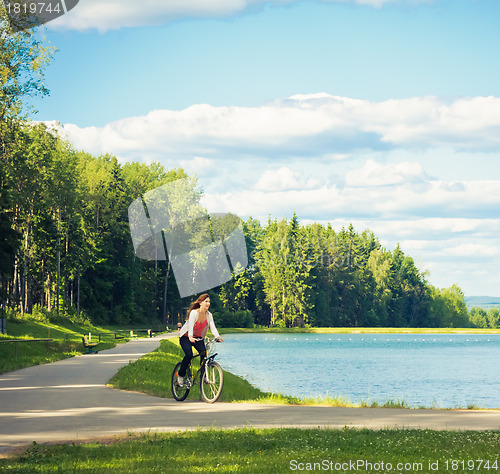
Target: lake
431 370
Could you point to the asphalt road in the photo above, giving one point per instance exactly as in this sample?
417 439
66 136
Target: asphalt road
69 401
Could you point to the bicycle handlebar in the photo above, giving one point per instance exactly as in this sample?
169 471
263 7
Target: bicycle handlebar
208 339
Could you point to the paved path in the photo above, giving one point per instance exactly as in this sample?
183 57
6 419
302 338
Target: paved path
68 400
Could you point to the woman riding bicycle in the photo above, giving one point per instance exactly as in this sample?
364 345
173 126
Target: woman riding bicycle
193 333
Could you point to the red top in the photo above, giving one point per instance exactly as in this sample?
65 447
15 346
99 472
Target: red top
198 328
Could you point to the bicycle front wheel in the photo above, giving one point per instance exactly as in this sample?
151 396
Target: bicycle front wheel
211 382
180 393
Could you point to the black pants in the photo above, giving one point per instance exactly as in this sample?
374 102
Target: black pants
187 347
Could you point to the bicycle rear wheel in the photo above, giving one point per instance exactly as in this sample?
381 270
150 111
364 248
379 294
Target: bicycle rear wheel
180 393
211 382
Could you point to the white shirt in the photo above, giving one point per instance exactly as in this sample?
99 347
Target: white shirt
189 325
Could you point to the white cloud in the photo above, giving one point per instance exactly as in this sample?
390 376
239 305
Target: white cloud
375 174
381 3
319 125
472 250
374 192
199 166
468 123
284 179
105 15
337 156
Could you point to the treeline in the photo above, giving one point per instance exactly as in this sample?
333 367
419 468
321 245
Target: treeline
318 276
66 250
481 318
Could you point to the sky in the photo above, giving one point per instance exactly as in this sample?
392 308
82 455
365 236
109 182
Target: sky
380 113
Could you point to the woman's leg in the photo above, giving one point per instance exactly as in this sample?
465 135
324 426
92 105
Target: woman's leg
200 347
188 350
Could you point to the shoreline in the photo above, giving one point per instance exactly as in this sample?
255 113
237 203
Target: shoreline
243 391
358 330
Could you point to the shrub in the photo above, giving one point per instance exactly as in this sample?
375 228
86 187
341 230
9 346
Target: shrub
234 319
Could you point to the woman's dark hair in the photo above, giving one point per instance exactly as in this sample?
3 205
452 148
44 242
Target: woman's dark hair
196 304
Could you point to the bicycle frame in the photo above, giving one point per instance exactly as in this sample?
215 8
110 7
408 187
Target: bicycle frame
202 365
211 381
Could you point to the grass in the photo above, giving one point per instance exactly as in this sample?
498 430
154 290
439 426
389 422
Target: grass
67 342
268 450
151 374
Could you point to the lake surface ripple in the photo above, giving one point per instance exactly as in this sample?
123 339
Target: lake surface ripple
431 370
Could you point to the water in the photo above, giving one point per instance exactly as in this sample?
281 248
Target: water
440 370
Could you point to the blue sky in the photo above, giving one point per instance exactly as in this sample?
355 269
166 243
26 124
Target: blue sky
446 49
377 112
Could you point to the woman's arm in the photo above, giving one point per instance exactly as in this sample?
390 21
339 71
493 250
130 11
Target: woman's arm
213 329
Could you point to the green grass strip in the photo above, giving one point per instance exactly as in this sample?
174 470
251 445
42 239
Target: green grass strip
271 451
152 373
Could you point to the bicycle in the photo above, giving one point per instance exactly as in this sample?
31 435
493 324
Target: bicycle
211 377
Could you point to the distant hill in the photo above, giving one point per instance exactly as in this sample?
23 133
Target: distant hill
485 302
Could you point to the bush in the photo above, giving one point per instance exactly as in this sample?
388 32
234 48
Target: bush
234 319
43 315
39 314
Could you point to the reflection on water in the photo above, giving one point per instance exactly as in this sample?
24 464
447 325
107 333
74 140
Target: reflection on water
443 370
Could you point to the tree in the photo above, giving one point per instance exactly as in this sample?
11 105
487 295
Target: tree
494 318
36 183
234 294
256 300
479 318
142 178
411 293
9 243
284 260
449 307
380 265
23 57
